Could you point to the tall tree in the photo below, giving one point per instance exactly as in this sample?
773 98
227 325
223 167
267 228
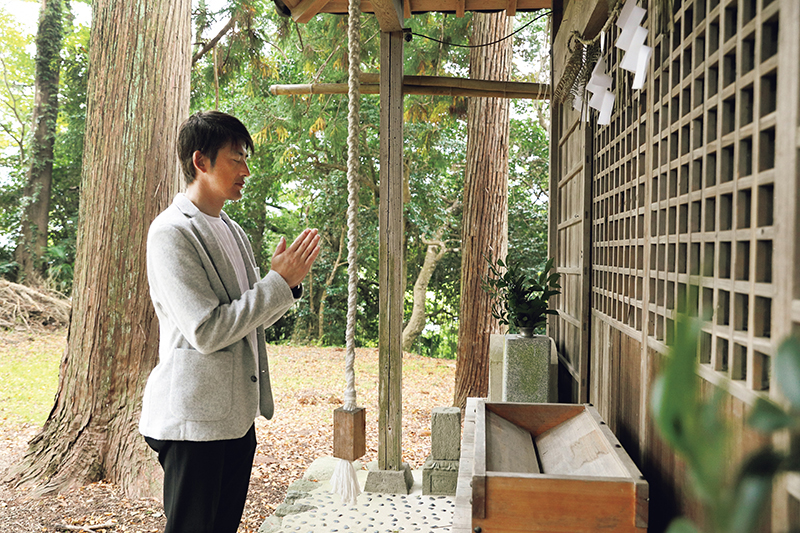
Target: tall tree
36 195
485 220
129 175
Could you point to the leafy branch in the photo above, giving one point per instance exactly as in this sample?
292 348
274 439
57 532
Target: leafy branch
697 432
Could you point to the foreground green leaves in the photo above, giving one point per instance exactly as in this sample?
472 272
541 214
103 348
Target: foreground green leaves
697 431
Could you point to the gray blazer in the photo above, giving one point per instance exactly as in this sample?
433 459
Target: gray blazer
206 385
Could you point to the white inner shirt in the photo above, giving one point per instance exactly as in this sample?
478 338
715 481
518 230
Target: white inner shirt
228 244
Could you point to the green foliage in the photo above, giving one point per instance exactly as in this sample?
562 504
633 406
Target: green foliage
68 146
696 429
518 299
298 168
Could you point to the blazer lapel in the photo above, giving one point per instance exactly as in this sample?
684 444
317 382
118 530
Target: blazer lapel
216 254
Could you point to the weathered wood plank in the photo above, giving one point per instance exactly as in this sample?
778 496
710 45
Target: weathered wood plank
443 6
306 9
509 448
390 353
578 447
349 433
536 418
389 14
432 85
478 483
541 503
462 513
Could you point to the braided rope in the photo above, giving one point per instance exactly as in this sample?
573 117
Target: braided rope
354 55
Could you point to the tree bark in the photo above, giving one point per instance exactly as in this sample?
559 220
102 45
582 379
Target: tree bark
485 219
328 282
138 92
32 241
416 323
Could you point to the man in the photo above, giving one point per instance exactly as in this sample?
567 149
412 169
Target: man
212 379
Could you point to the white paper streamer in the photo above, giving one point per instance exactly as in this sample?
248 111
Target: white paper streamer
641 68
605 110
631 40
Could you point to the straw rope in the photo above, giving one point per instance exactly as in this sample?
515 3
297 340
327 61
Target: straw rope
354 55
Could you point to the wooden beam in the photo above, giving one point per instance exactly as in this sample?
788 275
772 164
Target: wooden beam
434 85
460 8
407 8
391 282
441 6
389 14
511 8
306 9
321 88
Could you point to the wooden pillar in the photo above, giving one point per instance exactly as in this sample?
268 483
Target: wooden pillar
391 253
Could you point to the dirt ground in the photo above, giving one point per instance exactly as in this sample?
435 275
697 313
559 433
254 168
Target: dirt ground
308 384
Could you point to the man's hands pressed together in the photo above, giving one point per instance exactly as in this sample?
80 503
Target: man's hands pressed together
294 262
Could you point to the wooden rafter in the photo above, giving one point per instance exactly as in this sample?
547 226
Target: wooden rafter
306 9
511 8
407 8
389 14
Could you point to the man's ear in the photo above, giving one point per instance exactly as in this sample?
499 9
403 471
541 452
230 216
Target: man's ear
201 162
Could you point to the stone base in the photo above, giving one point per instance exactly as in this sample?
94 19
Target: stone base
439 478
390 481
497 347
271 525
530 368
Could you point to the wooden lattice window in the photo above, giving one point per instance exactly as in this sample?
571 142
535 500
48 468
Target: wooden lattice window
684 188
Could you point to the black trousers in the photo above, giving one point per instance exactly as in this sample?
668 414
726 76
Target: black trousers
205 483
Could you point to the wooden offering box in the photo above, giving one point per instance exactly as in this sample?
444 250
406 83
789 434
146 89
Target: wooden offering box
545 468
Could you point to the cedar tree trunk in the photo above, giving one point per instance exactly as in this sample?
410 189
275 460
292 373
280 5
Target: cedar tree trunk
32 241
485 220
138 93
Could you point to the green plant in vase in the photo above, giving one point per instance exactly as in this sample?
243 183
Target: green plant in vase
520 300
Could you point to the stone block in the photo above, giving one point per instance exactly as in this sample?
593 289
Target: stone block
446 433
497 345
439 478
322 468
271 525
286 509
529 369
390 481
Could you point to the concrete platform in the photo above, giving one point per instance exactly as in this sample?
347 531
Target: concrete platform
374 512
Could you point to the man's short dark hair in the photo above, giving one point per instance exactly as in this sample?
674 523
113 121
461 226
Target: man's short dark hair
208 131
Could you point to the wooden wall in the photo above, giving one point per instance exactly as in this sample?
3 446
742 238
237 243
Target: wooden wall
686 202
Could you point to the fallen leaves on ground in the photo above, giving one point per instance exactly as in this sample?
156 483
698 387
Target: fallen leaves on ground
308 384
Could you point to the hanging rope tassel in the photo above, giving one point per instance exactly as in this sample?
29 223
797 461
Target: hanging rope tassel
344 480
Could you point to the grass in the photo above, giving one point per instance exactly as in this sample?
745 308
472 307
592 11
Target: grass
29 375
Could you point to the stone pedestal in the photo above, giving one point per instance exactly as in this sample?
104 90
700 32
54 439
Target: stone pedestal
530 370
439 478
390 481
440 472
497 347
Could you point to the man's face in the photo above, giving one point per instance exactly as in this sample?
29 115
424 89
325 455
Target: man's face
225 179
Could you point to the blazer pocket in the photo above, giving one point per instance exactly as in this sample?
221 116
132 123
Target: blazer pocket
201 385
